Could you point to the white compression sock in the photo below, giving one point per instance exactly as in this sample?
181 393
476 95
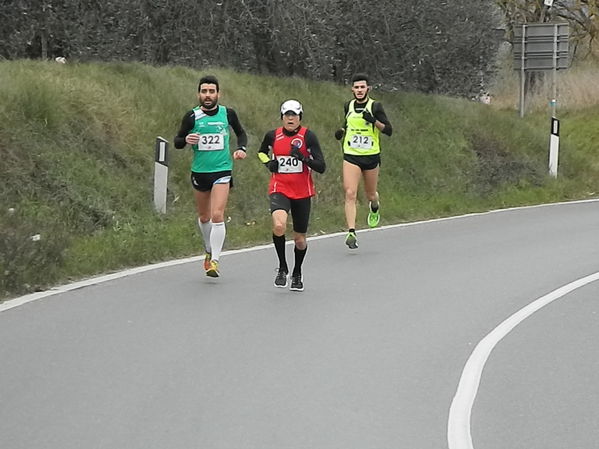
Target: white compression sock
217 239
206 229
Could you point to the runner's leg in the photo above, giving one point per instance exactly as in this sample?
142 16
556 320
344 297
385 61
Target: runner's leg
299 251
202 201
279 225
370 184
218 200
351 180
371 179
300 213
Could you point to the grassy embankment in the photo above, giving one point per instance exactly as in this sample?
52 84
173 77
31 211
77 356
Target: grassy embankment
76 145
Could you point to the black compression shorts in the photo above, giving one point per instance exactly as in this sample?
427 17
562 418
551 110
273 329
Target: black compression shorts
300 210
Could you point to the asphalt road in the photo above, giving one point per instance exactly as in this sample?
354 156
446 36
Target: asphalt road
369 356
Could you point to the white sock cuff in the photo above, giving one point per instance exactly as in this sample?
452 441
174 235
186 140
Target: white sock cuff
217 239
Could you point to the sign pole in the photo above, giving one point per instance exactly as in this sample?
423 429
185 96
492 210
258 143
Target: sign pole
542 47
554 77
160 174
554 137
522 72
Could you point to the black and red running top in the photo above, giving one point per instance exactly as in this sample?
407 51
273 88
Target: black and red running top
294 177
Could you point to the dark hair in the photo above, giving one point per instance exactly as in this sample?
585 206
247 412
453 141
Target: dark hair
360 77
208 79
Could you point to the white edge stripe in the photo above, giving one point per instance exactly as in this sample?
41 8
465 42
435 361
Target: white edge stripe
458 426
15 302
11 303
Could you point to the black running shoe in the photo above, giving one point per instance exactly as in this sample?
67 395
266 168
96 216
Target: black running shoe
281 278
351 241
297 283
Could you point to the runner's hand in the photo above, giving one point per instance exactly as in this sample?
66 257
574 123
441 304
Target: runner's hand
296 153
339 133
192 139
263 157
239 154
368 117
273 166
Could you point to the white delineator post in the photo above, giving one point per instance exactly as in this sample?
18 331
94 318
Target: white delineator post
554 147
160 174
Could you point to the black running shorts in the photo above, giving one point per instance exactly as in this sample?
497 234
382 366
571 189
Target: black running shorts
203 182
300 210
369 162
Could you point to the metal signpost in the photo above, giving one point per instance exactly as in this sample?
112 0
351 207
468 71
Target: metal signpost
160 174
542 47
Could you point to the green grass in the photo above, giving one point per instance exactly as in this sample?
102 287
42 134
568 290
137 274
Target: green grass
77 143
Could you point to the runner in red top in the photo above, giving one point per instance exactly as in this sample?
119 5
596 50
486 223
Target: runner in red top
293 178
295 153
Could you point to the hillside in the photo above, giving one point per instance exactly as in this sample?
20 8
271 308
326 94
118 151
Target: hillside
77 149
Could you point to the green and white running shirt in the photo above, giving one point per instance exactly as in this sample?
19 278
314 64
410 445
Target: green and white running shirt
212 153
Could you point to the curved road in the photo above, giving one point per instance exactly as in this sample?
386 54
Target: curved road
369 356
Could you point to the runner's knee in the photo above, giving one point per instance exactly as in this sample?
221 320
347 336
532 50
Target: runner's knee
300 241
278 228
218 216
351 194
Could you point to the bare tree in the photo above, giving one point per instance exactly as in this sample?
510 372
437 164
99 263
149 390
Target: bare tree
582 15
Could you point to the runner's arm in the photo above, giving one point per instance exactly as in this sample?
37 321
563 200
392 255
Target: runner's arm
265 147
341 130
267 142
187 125
379 114
316 161
242 138
345 111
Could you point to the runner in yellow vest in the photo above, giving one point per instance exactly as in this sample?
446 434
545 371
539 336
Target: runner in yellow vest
365 120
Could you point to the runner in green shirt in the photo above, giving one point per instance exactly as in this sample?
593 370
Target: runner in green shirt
206 129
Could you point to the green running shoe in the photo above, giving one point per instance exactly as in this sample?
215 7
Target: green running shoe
351 241
374 218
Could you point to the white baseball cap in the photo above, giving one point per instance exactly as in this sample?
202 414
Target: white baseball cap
291 106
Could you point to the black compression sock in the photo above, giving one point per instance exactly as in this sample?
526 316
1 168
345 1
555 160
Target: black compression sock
299 259
279 241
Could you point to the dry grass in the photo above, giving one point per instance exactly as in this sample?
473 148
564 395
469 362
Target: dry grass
577 88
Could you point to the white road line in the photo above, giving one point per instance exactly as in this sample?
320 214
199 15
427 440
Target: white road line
19 301
109 277
458 426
